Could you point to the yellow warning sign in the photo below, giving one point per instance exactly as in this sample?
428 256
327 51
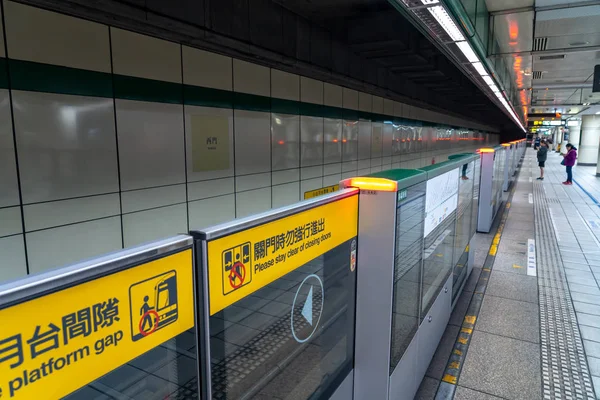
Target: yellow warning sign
55 344
274 249
320 192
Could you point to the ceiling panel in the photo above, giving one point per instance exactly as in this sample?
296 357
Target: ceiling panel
503 5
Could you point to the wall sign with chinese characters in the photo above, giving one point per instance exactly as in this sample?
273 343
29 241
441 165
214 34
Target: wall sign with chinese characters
243 262
55 344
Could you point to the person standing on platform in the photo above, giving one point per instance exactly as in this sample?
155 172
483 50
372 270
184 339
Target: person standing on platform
542 155
568 162
536 142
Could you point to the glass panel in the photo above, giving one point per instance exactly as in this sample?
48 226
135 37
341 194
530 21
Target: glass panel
165 372
265 346
285 140
470 7
350 141
407 269
440 217
482 23
475 208
333 140
463 225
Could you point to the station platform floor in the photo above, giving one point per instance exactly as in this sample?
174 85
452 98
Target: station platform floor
529 328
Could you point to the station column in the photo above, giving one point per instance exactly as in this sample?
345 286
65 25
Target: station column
589 140
574 135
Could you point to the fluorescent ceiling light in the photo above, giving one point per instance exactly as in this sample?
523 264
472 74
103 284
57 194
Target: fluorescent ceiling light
427 2
444 19
480 68
488 80
466 49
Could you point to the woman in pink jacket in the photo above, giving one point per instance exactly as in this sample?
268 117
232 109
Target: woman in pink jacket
569 161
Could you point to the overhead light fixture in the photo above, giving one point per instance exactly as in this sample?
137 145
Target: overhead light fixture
488 80
443 18
480 68
427 2
466 49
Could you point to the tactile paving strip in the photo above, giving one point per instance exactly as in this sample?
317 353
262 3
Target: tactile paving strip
565 374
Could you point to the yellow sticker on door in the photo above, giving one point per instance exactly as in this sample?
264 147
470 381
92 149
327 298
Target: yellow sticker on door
53 345
243 262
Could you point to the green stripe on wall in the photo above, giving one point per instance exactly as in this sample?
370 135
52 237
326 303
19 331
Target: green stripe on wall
207 97
133 88
36 77
3 74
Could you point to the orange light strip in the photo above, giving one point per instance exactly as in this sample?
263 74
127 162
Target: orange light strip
379 184
486 150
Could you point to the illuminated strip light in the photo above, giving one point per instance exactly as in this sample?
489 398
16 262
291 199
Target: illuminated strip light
466 49
427 2
443 18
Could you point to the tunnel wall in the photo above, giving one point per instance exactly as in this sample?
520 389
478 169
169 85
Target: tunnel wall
109 138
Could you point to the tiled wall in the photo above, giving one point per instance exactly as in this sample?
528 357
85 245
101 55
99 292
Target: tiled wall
111 131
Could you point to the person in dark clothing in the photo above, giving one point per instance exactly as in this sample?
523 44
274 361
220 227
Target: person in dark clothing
542 155
536 142
569 162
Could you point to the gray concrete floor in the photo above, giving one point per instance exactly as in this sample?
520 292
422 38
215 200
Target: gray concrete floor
505 358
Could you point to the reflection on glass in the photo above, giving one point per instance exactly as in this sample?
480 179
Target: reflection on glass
168 371
292 339
440 217
475 208
407 269
463 225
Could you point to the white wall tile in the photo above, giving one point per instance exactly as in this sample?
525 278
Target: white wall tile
213 211
12 258
145 226
144 199
33 34
364 172
252 142
310 184
68 149
388 107
212 188
56 213
376 169
46 248
311 172
286 176
311 90
332 95
2 51
332 136
331 180
285 85
362 164
364 139
285 141
286 194
346 175
251 78
350 99
311 132
255 181
9 192
365 102
151 150
329 169
377 139
252 202
378 105
376 162
400 110
386 160
214 161
203 68
10 221
349 166
144 56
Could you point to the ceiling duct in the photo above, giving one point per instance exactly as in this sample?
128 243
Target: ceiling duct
540 44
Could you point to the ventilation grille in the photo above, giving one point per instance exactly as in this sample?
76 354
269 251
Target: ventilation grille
556 57
538 74
540 44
